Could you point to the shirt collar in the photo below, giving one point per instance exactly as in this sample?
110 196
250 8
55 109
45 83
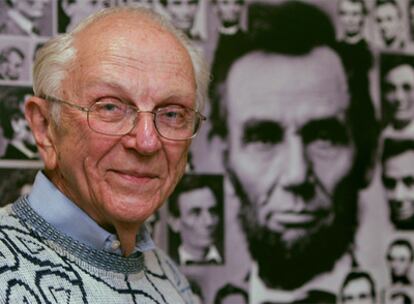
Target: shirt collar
229 30
186 257
67 217
25 24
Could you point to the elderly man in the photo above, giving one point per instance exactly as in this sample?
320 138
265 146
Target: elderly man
22 17
296 154
116 103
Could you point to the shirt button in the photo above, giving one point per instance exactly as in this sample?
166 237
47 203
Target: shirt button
115 245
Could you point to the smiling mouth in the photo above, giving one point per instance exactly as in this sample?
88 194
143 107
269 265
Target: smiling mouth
135 177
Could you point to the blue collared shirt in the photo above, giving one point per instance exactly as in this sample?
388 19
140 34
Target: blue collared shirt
68 218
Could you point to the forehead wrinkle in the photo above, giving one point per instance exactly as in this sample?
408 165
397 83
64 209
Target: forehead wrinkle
93 70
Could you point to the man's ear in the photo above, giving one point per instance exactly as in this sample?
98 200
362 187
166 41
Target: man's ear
40 121
174 223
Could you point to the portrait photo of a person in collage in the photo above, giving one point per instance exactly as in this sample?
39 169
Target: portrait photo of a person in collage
298 186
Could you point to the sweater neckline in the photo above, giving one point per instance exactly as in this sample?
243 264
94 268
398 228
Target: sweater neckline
98 258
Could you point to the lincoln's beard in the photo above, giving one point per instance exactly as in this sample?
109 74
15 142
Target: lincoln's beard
289 264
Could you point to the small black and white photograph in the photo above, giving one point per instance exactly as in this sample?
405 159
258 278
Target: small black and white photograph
71 12
33 18
195 220
397 94
390 30
358 287
400 258
15 60
398 181
17 136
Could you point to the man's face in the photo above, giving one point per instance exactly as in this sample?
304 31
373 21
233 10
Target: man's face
182 13
398 179
399 259
121 180
388 21
14 66
286 121
32 9
352 17
357 291
229 10
199 218
399 93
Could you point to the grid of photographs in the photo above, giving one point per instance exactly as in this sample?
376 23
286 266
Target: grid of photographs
342 229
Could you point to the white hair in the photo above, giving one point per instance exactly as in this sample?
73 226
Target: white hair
54 59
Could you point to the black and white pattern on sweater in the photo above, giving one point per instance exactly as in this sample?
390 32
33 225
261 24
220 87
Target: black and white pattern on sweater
38 264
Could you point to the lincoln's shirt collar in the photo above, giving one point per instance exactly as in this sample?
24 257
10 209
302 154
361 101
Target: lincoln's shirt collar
67 217
186 257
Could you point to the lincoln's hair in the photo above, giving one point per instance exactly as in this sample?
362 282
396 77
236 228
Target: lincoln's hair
356 275
401 242
192 182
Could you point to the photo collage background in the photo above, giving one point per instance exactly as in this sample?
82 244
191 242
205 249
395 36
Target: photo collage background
224 273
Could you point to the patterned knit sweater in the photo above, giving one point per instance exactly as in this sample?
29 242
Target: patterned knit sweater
39 264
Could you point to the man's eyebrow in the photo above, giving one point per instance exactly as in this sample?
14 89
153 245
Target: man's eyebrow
255 125
262 130
332 126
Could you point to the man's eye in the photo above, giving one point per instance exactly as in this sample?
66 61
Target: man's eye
109 110
408 181
407 87
174 116
108 107
389 183
389 88
195 211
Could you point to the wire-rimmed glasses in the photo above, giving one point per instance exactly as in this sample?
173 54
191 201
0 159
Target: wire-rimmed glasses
115 117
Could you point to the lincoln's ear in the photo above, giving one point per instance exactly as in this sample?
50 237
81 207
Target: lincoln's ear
39 119
174 223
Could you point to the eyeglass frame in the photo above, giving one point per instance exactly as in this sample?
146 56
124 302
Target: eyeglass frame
199 116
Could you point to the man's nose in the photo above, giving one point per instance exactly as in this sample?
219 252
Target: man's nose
146 139
207 218
400 191
295 166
